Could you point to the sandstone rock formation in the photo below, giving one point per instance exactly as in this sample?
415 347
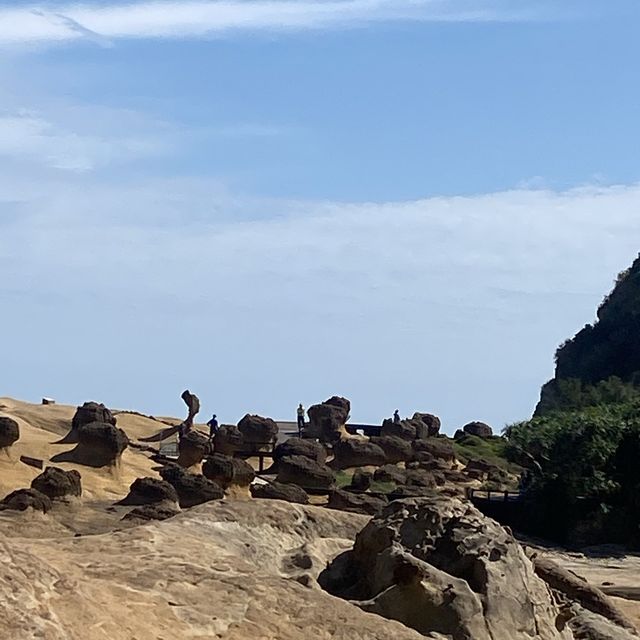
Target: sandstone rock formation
306 473
390 473
280 491
300 447
88 413
99 445
192 489
193 405
327 420
146 491
437 448
192 448
395 449
431 422
23 499
356 452
479 429
439 566
258 433
356 502
158 511
58 483
227 471
405 429
9 432
228 440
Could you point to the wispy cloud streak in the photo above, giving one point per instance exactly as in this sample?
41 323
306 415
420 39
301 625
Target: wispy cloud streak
48 24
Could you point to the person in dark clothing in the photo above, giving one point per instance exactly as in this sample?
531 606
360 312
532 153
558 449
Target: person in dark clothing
213 426
300 419
396 417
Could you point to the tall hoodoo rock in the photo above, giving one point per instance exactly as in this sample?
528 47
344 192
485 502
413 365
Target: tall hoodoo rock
193 405
192 448
327 420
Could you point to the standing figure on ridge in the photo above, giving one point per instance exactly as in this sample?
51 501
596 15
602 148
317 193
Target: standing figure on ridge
213 426
396 417
300 419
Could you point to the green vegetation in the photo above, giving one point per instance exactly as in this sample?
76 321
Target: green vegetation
492 450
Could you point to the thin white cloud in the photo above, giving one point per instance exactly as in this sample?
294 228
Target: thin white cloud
447 304
103 23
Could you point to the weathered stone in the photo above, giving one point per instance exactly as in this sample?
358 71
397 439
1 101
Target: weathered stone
360 481
9 431
99 445
479 429
439 566
280 491
390 473
431 422
145 491
405 429
258 433
227 471
356 452
193 406
58 483
192 448
327 420
228 440
23 499
300 447
356 502
306 473
395 449
159 511
192 489
438 448
88 413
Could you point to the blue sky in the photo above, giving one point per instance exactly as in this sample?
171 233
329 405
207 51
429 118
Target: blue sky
410 203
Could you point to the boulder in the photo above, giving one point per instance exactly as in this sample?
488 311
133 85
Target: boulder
147 512
23 499
192 489
300 447
258 433
9 431
390 473
406 491
327 420
479 429
192 448
88 413
356 502
459 434
58 483
306 473
280 491
405 429
146 491
228 440
360 481
420 478
432 424
438 448
99 445
356 452
227 471
439 566
395 449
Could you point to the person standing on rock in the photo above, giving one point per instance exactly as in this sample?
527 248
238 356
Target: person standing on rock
396 417
300 419
213 426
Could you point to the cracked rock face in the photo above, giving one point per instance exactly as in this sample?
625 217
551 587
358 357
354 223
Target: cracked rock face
439 566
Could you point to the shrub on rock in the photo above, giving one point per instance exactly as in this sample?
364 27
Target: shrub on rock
9 431
58 483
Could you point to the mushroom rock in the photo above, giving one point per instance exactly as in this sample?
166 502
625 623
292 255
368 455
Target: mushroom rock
58 483
146 491
9 432
192 448
99 445
327 420
258 433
